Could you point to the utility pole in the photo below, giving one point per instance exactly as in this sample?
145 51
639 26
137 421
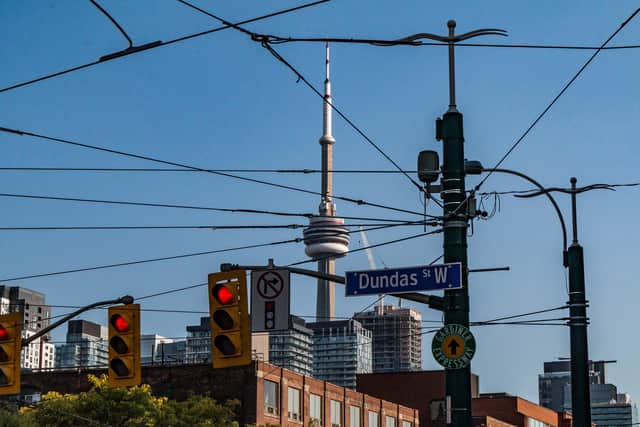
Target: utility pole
455 218
578 321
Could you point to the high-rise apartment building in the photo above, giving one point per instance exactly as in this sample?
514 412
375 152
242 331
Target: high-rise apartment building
39 354
198 343
397 338
291 349
158 350
85 346
341 349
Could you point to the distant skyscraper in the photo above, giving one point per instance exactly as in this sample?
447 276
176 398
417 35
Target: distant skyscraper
40 354
291 349
397 338
608 407
326 238
341 349
86 345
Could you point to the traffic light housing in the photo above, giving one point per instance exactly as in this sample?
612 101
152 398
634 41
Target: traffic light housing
229 316
124 345
10 347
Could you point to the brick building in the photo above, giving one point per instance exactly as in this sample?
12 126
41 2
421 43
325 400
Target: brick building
425 390
268 394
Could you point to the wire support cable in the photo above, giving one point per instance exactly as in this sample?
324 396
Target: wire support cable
194 168
265 43
274 39
154 45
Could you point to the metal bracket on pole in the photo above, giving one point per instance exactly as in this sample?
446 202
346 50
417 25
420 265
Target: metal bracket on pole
127 299
433 301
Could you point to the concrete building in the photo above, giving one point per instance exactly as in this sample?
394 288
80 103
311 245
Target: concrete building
341 350
397 338
86 346
291 349
39 354
198 344
158 350
268 394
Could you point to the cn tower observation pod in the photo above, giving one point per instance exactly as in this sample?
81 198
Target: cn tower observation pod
326 236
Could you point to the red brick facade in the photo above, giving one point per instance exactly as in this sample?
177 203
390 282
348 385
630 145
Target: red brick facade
247 384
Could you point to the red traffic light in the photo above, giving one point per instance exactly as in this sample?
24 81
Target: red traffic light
120 323
4 334
223 294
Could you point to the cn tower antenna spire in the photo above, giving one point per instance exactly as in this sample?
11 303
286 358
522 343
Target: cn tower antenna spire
326 238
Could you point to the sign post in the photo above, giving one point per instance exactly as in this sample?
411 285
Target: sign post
453 346
270 303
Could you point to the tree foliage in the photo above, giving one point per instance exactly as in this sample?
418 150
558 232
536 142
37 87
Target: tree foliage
123 407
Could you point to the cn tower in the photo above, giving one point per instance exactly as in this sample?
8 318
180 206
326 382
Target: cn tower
326 238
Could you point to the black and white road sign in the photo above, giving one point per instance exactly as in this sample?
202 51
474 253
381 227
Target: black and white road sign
269 300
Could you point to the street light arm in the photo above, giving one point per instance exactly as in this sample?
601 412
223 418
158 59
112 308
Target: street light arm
551 199
127 299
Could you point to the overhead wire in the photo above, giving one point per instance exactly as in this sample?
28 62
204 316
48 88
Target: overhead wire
170 291
186 166
555 99
176 206
107 58
181 256
187 227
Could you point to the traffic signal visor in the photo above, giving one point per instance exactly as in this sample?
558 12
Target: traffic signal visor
124 345
229 316
10 347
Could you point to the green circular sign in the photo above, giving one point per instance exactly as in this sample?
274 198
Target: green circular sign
453 346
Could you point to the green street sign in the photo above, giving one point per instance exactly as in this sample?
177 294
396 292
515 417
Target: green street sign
453 346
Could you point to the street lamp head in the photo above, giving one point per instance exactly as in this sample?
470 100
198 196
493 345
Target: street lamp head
428 166
127 299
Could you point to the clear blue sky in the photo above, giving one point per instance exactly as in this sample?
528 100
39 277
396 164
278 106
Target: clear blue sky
221 101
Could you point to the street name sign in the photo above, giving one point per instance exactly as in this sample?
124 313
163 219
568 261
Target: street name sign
453 346
270 303
408 279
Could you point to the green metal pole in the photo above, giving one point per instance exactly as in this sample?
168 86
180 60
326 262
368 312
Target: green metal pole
456 302
580 393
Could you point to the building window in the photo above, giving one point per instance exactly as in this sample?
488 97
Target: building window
354 416
406 424
315 409
336 413
293 403
270 398
374 420
531 422
389 421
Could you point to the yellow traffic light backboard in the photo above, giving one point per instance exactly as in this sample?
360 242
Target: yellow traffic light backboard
229 316
124 345
10 347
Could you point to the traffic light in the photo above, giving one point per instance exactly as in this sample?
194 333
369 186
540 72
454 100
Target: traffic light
10 347
230 334
124 345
